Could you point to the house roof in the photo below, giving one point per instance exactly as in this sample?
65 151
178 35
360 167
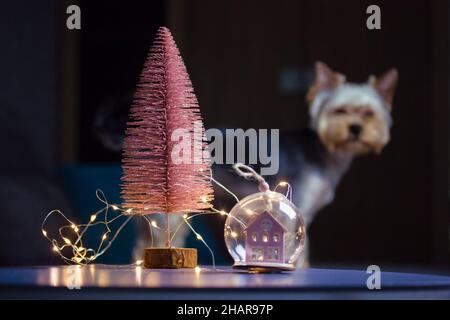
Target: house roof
261 216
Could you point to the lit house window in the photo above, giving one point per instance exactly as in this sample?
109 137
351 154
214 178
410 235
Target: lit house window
276 237
265 237
257 253
254 237
273 254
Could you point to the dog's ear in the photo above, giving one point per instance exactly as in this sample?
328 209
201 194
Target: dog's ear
325 79
385 85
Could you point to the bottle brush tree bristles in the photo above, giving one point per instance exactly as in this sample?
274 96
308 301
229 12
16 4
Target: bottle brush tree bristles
154 179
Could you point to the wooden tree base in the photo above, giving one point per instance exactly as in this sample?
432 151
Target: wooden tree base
170 258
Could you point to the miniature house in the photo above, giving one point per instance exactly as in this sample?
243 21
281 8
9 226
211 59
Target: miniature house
264 240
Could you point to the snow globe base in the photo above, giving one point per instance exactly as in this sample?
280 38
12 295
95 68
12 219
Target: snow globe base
255 267
170 258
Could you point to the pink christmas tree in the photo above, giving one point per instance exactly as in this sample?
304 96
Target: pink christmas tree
153 180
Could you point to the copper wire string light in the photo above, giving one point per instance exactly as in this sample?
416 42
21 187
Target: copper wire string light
72 249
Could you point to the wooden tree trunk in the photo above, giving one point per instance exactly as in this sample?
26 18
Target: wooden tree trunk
170 258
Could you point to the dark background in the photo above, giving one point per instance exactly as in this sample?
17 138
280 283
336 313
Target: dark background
250 63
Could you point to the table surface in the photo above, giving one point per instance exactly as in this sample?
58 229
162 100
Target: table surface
130 282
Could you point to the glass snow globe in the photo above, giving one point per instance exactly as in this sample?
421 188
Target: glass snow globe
265 232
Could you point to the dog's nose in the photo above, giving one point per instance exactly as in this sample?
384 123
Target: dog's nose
355 129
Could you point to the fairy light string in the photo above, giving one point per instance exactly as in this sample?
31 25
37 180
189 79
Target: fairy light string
72 249
80 254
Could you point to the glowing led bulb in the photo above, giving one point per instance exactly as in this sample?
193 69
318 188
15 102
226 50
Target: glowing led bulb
67 241
153 223
199 237
139 262
283 183
234 234
55 248
129 210
44 233
185 216
104 236
115 207
223 213
197 269
204 199
93 217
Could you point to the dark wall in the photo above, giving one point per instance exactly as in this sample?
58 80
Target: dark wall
28 85
28 81
114 42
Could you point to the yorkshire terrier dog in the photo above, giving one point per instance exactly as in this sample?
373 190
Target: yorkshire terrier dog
347 120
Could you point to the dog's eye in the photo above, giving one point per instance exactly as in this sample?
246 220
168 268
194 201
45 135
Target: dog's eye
340 111
368 114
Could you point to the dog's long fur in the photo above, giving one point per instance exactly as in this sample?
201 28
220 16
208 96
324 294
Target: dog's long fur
349 120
